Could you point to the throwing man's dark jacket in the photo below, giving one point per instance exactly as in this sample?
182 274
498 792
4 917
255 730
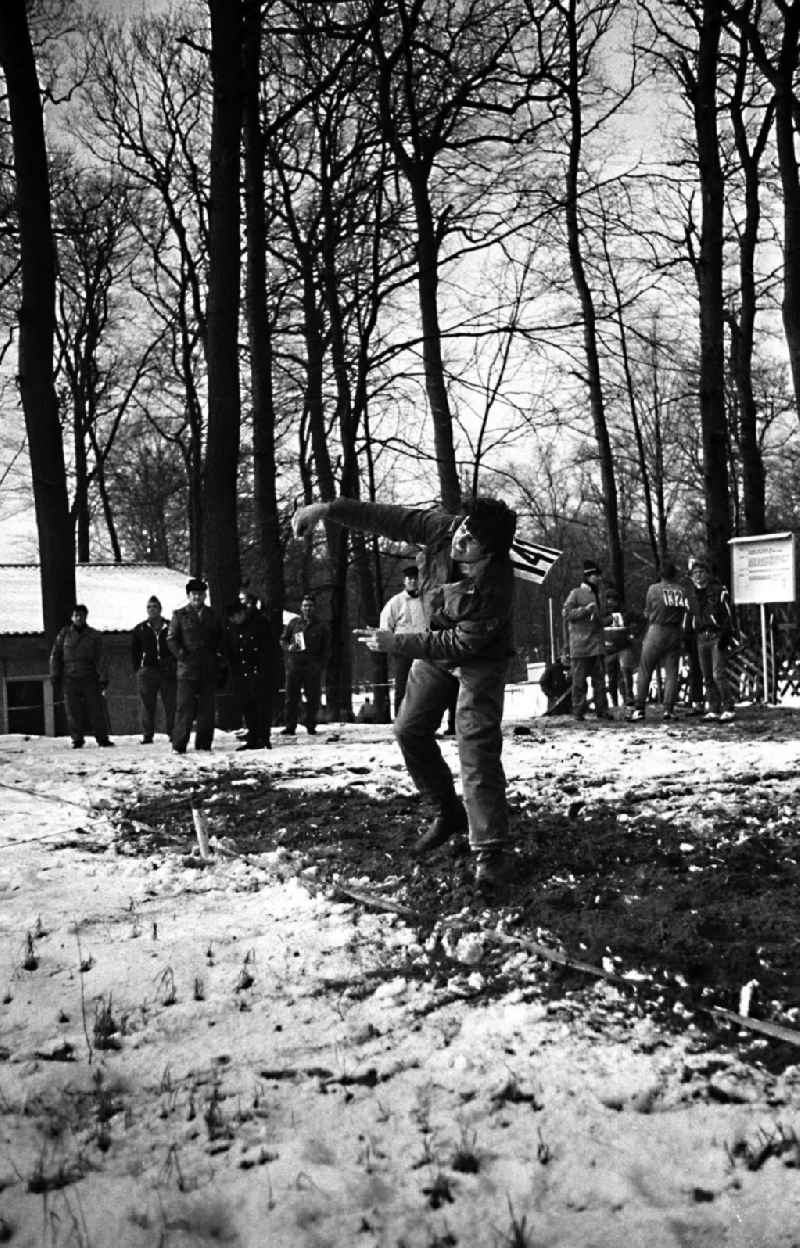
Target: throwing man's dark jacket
468 618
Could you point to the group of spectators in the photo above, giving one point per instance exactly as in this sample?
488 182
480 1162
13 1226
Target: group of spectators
185 661
618 651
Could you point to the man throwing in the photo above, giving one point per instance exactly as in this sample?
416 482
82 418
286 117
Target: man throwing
466 588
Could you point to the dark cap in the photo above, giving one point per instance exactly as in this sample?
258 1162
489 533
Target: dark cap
411 570
591 568
196 586
492 523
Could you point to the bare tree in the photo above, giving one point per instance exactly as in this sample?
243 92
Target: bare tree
689 34
224 402
104 349
750 139
772 31
144 108
37 316
454 83
260 323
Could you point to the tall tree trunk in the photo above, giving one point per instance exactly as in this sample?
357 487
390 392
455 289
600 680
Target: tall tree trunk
224 405
435 385
709 280
742 330
785 136
780 73
589 316
37 318
259 329
80 503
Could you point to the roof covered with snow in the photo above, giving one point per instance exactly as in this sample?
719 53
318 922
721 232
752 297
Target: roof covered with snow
115 593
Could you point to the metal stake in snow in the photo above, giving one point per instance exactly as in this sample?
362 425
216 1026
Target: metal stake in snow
201 831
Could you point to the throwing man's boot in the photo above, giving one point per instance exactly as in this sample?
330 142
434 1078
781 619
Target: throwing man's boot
451 821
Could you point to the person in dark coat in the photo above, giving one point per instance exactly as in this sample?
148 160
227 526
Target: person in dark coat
250 651
154 667
554 683
467 587
78 663
305 641
195 640
712 626
584 614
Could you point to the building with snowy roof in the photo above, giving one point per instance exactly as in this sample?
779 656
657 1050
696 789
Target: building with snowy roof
116 595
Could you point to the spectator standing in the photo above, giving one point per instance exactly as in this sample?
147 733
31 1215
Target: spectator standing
195 640
466 586
631 656
305 642
584 613
695 675
154 667
712 625
665 610
250 652
615 673
403 613
78 663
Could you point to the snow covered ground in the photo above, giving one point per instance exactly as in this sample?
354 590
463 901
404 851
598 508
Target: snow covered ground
238 1052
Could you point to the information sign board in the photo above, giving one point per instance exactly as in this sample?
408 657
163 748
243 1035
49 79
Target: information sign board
763 568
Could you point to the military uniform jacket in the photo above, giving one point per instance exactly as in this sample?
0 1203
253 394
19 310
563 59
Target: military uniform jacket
195 639
150 648
78 653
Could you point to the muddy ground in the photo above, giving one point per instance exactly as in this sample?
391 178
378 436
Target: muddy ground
691 891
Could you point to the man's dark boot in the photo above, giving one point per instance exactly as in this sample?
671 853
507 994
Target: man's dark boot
451 820
493 869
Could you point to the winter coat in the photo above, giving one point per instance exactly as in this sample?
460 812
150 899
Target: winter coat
149 648
195 639
710 611
78 653
584 613
251 650
468 618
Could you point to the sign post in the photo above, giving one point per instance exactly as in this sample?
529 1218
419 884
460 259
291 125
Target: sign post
763 570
